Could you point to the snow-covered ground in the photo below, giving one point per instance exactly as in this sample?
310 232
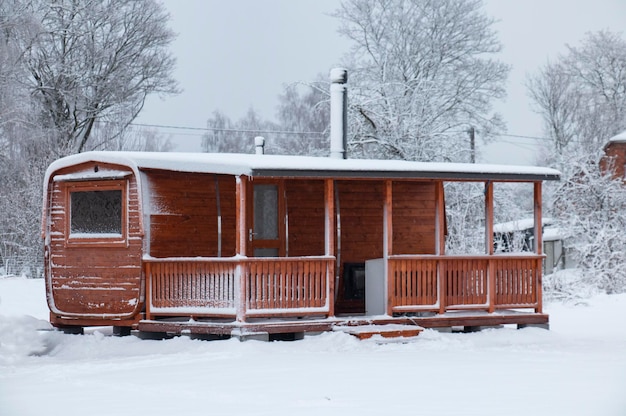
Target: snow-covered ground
576 368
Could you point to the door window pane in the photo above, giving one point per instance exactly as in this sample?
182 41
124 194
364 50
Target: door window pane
265 212
266 252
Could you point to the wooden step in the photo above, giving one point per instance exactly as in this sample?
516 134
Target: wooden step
385 331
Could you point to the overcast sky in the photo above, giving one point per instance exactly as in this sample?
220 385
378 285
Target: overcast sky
236 54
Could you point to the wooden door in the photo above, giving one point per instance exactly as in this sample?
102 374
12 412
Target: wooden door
266 219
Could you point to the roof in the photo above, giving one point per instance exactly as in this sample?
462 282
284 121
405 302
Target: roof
305 166
519 225
619 138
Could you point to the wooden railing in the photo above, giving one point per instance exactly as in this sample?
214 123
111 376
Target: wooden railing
303 286
441 283
239 287
191 286
288 286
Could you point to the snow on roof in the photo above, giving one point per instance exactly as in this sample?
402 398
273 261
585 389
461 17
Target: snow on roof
620 138
304 166
519 225
552 234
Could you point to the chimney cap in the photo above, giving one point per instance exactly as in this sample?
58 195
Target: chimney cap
338 75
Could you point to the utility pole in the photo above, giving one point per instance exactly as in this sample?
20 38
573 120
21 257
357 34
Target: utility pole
472 137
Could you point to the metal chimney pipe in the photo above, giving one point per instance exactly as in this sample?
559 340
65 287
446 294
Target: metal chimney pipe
338 113
259 145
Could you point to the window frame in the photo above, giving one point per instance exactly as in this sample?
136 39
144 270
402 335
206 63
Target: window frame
115 240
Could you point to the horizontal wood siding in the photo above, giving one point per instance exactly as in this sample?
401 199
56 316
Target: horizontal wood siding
184 214
305 208
414 217
92 279
361 209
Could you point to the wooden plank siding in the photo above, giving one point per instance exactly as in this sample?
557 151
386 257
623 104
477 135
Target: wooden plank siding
361 214
92 278
360 233
414 209
305 211
184 214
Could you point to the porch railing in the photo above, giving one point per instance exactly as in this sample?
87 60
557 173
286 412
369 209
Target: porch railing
441 283
304 286
239 287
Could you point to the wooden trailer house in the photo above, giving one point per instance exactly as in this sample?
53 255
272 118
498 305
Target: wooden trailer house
235 244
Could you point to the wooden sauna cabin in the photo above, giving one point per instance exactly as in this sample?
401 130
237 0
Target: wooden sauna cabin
225 244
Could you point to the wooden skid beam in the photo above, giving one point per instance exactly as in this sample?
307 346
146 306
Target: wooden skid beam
63 322
482 320
208 328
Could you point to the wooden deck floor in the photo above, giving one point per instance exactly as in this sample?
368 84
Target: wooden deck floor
467 320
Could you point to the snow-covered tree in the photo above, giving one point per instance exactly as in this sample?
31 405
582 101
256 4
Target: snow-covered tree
591 205
581 97
421 73
96 60
65 66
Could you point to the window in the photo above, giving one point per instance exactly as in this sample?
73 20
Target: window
97 212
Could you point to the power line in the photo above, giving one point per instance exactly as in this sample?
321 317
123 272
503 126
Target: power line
318 133
520 136
160 126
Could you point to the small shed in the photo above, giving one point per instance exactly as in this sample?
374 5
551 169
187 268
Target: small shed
519 236
233 243
615 156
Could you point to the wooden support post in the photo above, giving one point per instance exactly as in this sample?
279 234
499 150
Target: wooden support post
148 280
491 272
241 247
329 242
538 245
440 220
388 244
440 243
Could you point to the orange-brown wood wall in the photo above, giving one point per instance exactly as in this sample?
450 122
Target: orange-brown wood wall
93 278
361 205
361 215
413 217
305 208
184 214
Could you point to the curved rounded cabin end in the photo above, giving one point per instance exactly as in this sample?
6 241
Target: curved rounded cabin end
93 245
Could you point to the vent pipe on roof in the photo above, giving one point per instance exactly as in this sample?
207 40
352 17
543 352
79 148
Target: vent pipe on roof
259 145
338 113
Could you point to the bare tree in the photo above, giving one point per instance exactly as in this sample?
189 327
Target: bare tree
557 101
132 138
96 60
582 95
227 136
65 66
421 72
304 109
